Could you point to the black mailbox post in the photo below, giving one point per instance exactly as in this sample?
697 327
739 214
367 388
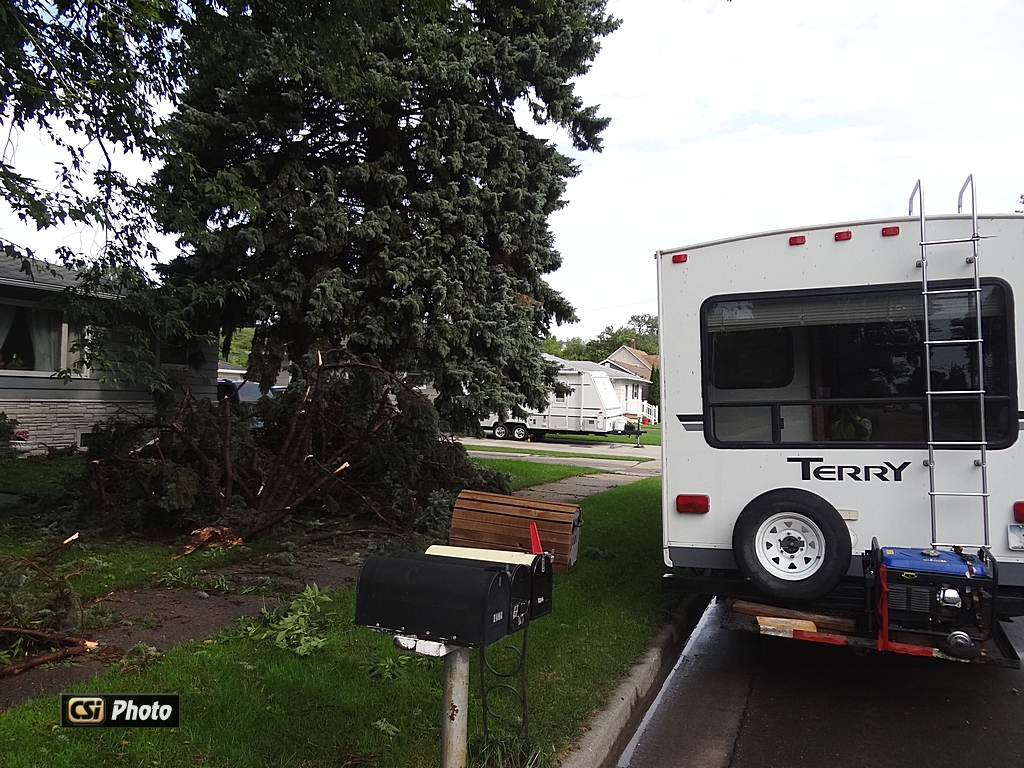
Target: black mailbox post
433 599
452 599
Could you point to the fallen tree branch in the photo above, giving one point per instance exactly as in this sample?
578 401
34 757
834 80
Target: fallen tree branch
16 668
229 474
35 634
275 518
56 549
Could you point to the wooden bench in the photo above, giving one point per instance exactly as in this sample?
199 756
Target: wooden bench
495 521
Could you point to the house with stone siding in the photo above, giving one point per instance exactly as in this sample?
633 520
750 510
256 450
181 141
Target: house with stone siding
35 342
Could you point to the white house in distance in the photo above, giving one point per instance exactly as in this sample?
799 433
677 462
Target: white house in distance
630 370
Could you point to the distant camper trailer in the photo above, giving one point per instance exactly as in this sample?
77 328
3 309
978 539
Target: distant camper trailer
591 408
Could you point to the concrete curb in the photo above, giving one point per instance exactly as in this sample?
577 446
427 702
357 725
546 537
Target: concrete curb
611 729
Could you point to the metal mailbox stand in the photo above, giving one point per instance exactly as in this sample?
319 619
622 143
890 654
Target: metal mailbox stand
520 693
442 606
455 694
455 722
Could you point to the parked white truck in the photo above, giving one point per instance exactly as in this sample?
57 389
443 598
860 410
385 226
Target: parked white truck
592 407
840 430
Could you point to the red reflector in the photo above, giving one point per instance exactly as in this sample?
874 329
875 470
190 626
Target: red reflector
890 231
1018 511
797 240
696 505
845 235
679 258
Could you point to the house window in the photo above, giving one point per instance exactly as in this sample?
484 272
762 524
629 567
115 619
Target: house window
30 339
817 367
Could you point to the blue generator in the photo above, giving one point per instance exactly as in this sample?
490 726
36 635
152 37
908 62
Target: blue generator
947 594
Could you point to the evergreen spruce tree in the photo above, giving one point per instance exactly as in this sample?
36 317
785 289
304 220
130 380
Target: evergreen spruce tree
357 179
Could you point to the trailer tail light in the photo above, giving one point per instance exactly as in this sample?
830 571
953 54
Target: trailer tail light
694 505
679 258
890 231
797 240
844 235
1018 511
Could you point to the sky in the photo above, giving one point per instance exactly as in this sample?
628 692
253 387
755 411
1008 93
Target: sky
730 118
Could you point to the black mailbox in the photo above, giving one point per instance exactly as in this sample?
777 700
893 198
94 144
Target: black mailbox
433 600
518 613
538 565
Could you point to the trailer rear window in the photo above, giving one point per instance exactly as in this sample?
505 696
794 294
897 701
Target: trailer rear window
820 367
752 359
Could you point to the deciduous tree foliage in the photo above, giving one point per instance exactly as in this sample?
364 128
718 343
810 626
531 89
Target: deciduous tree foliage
89 76
370 185
83 72
641 330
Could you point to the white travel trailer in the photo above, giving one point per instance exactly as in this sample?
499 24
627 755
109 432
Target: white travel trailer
592 407
840 429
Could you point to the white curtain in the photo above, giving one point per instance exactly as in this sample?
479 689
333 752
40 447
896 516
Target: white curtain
6 321
45 328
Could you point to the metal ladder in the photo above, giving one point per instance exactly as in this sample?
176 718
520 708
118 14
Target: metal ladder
931 395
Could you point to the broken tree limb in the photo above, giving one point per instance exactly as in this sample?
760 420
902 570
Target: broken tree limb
56 549
282 513
228 473
17 667
47 637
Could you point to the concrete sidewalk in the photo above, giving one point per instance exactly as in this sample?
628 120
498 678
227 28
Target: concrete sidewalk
620 467
573 489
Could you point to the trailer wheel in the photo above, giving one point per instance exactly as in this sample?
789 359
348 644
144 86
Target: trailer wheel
792 544
969 652
519 432
500 431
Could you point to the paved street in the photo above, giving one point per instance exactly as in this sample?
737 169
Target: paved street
739 700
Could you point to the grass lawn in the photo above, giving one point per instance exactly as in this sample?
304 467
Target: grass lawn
38 475
526 448
526 473
96 564
356 700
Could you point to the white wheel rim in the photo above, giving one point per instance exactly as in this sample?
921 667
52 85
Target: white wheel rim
789 546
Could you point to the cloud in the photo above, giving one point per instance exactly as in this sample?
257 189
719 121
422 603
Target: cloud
738 117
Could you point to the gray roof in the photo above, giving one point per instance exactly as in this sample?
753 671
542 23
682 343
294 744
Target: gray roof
38 275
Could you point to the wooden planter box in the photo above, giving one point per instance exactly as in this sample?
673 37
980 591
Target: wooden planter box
495 521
